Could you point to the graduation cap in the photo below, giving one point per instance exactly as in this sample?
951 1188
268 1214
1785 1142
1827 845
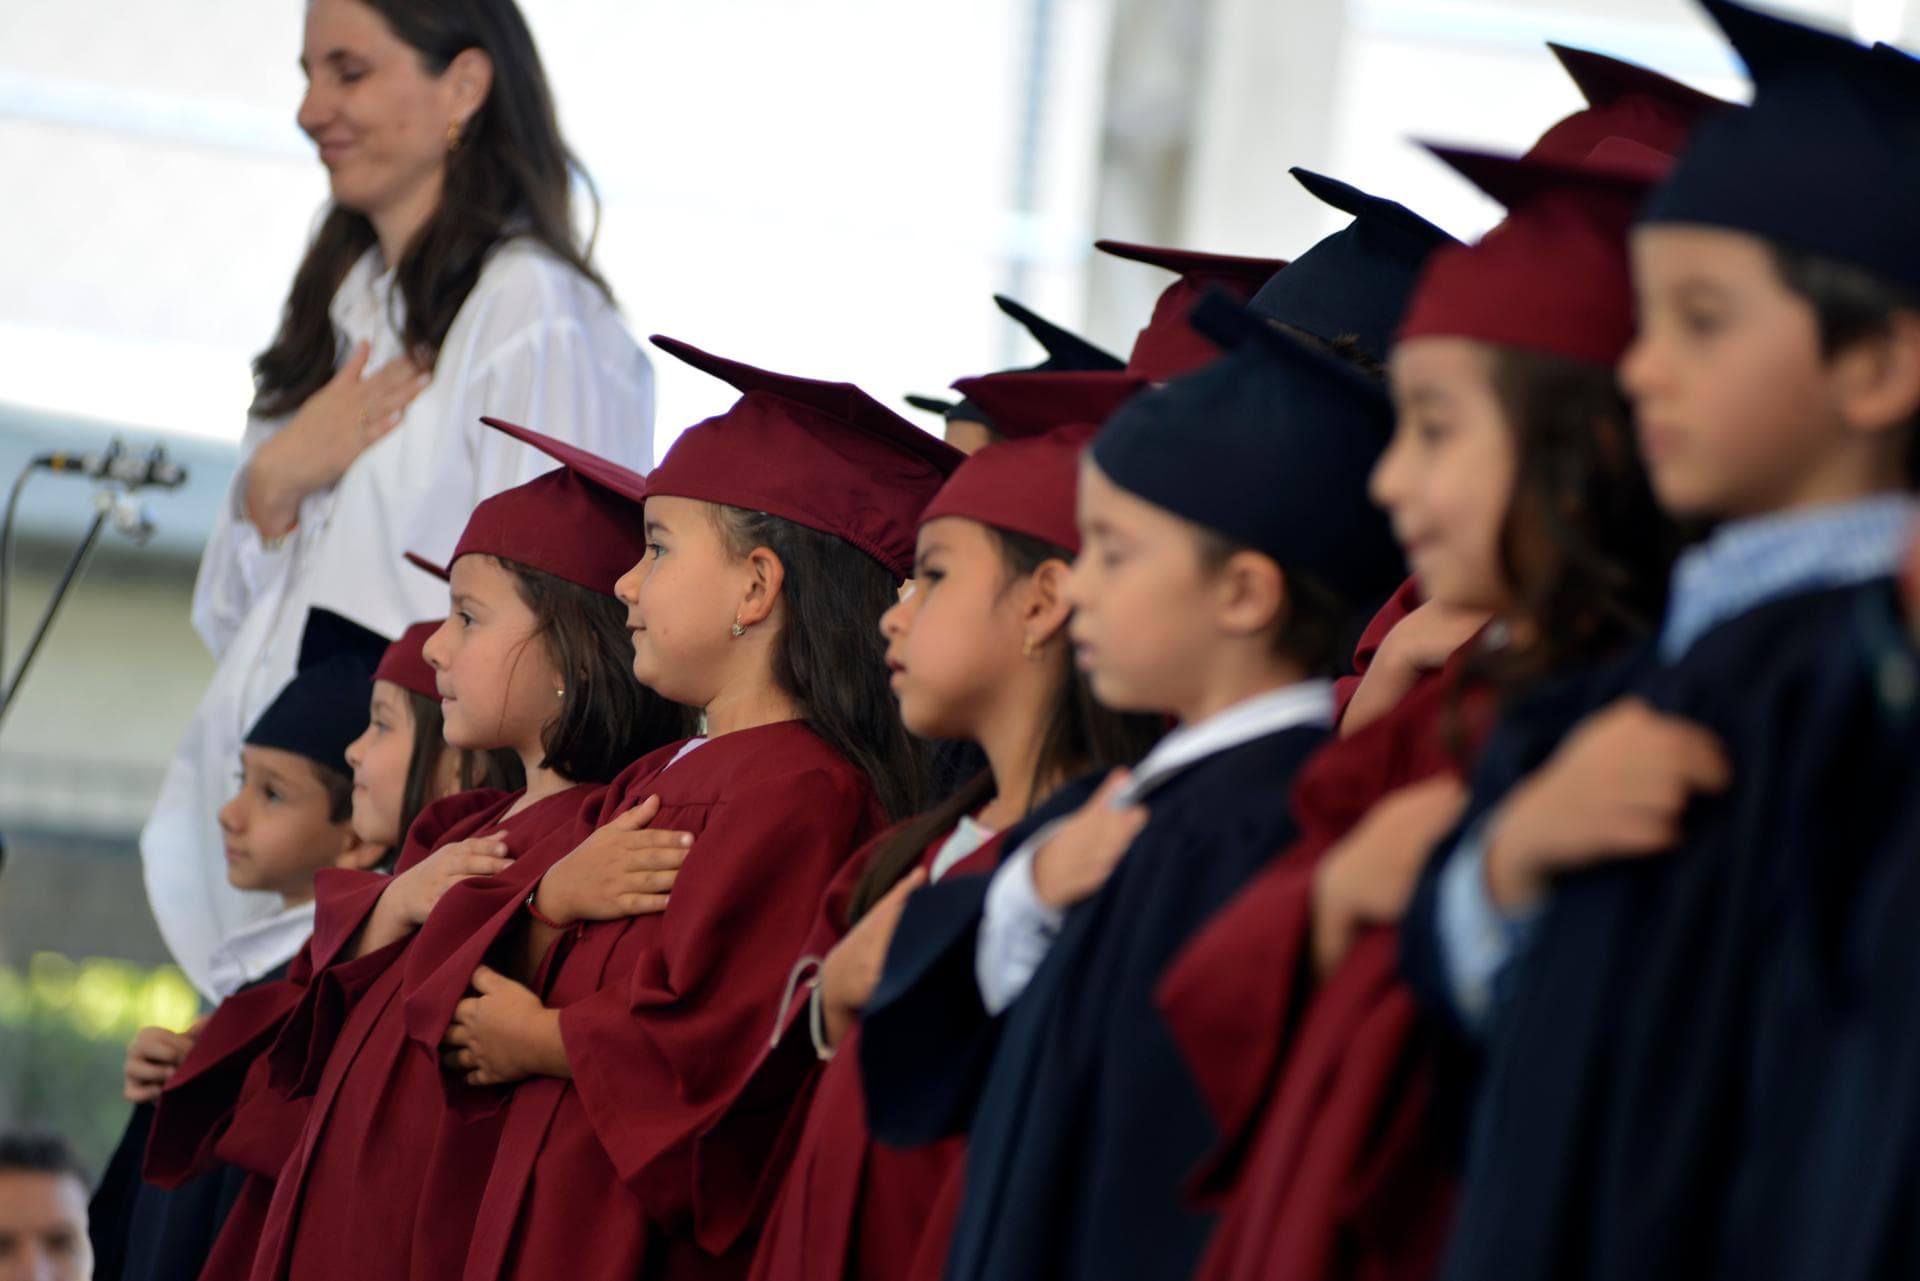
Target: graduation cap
1624 100
1272 446
824 455
581 522
323 708
405 662
1028 483
1065 350
1169 345
1353 283
1553 277
1823 162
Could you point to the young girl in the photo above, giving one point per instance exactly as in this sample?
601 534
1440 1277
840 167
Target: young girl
777 536
530 658
1673 1023
978 651
1513 485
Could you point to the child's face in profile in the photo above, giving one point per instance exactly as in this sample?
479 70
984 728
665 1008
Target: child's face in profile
278 827
1447 476
682 601
379 758
957 633
1737 413
1144 604
497 684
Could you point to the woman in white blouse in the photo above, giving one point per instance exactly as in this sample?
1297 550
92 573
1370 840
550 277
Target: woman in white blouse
445 282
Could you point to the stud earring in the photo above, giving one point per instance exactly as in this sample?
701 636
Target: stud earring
454 131
738 630
560 691
1027 647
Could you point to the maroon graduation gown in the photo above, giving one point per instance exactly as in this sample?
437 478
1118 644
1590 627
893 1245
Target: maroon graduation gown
851 1208
345 1204
1327 1168
647 1162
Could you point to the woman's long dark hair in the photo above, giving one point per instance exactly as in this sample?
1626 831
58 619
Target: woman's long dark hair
830 657
499 768
510 176
1079 735
607 719
1584 544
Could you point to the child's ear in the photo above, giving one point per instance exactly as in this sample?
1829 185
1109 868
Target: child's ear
1250 594
1047 607
1879 377
358 855
765 576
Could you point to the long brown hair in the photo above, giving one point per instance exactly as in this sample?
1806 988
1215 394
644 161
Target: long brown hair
510 176
499 768
1584 544
1079 735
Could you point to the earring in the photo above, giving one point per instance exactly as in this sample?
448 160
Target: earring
1027 647
454 130
738 630
560 692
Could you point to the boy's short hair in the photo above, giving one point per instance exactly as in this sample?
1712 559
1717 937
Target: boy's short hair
1316 624
28 1152
339 789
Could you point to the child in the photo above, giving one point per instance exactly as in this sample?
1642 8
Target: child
192 1152
1653 1049
402 763
979 652
778 534
1512 482
530 658
1225 532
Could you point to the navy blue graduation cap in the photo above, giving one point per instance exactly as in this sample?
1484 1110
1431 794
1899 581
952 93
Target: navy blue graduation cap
1827 159
1067 352
324 707
1272 446
1354 283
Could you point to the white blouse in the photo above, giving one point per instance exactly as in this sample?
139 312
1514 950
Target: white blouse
535 343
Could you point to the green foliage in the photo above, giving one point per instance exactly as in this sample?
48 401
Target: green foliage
64 1028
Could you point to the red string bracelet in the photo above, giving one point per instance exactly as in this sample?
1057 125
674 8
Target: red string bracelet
533 910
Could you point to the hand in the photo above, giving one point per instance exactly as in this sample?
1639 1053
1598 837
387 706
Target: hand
852 969
622 870
1421 642
1616 788
153 1057
1367 878
1078 858
415 891
502 1034
335 426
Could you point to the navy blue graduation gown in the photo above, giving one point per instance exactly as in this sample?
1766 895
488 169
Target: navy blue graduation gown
1082 1122
1655 1043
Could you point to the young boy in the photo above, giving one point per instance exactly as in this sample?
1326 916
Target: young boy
43 1210
1659 1057
291 817
1226 531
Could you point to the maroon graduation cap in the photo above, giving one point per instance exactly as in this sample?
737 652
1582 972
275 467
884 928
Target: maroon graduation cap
1624 100
1169 346
1028 483
405 662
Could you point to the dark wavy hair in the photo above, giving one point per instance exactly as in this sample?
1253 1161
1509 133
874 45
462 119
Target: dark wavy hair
1584 546
1079 735
510 176
607 719
830 657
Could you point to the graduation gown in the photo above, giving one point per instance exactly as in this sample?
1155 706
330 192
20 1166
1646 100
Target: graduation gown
850 1208
1081 1122
213 1139
659 1140
1642 1061
346 1201
1329 1164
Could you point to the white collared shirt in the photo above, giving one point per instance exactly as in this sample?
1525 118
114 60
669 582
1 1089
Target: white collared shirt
256 950
535 343
1017 929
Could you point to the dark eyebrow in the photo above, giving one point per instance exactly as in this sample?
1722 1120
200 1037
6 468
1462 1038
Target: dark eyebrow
1429 396
657 527
332 56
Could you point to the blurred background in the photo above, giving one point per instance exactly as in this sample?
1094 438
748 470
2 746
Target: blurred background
830 187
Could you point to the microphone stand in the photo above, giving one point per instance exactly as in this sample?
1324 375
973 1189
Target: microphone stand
75 564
